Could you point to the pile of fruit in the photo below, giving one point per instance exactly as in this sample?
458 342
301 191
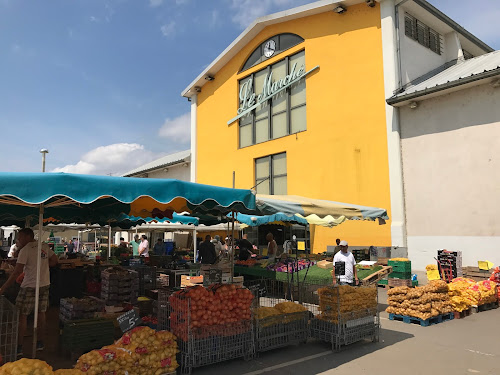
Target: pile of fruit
399 259
495 277
215 310
465 293
139 351
420 302
431 267
26 366
350 302
283 312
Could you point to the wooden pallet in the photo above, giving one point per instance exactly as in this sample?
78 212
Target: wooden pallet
424 323
462 314
399 282
376 276
484 307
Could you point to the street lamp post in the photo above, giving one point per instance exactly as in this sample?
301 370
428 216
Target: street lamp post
44 152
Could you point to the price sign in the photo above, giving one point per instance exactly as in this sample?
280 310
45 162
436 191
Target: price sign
128 320
339 268
259 290
215 276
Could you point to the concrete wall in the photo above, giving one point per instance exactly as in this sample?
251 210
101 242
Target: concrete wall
178 172
451 164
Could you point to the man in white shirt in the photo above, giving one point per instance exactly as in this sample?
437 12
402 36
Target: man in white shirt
351 274
25 302
144 247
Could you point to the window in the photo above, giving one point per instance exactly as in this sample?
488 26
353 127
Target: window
270 174
281 115
422 33
281 43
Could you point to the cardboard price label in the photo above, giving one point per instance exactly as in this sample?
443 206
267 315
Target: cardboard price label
128 320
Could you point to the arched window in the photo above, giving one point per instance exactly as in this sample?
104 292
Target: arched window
271 47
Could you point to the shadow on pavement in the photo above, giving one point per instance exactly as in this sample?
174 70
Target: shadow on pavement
312 358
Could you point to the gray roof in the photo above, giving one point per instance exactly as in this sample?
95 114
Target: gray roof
162 162
463 72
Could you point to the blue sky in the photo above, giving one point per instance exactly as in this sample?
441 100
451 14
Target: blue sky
98 82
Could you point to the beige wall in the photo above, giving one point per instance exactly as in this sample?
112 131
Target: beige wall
451 165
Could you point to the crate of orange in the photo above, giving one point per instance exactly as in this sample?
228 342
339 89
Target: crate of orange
213 324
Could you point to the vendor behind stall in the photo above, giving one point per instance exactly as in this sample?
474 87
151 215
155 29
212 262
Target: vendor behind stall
25 301
135 245
245 248
351 274
207 251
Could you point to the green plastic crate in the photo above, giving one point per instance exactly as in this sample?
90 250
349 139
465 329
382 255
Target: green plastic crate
414 283
398 266
383 282
400 275
87 335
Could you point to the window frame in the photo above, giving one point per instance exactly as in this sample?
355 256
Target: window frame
422 34
271 176
270 113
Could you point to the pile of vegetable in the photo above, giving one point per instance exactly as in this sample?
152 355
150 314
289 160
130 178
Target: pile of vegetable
284 312
26 366
420 302
139 351
465 293
217 310
246 263
347 300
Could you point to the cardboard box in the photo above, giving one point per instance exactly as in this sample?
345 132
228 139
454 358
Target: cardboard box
191 281
324 264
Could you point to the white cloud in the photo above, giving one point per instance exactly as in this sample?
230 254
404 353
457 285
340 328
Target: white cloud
214 18
117 159
181 2
246 11
177 129
168 29
155 3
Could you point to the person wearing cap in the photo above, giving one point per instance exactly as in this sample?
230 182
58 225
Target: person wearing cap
345 256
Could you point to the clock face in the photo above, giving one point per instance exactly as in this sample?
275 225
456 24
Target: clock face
269 48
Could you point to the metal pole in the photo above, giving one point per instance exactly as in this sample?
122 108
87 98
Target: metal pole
38 264
233 242
195 245
109 240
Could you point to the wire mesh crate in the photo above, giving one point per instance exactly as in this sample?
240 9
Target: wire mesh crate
202 345
347 315
9 321
281 330
147 278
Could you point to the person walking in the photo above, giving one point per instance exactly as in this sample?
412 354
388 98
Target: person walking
25 302
351 274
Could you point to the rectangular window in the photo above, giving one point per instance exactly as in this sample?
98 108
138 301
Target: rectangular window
270 175
422 33
281 115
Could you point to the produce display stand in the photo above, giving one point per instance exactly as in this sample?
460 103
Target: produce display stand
205 345
9 321
337 324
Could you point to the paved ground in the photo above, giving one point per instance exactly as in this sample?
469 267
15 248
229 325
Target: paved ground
458 347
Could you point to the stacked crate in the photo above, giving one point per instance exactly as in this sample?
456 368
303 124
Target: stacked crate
361 255
77 309
401 273
453 259
119 286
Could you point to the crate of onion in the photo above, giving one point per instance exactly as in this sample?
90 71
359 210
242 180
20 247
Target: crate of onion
213 324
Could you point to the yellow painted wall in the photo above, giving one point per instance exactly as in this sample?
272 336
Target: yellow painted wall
343 154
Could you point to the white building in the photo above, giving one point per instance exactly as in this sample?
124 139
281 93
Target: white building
450 142
176 166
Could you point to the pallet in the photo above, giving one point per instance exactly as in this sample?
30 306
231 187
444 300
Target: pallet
484 307
462 314
375 277
424 323
400 282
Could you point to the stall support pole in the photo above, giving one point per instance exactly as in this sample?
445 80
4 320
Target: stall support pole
109 239
37 289
233 241
195 246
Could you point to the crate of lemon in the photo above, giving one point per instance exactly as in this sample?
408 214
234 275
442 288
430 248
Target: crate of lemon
284 324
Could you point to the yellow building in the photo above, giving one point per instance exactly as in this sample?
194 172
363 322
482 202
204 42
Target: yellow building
322 137
297 105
